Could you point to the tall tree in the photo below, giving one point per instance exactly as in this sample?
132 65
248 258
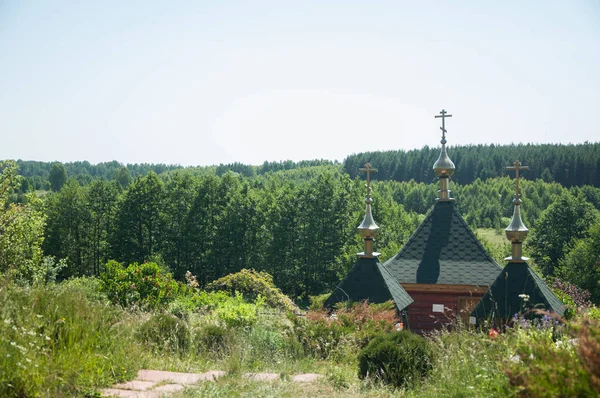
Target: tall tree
57 176
558 228
138 220
581 266
180 190
68 229
21 229
102 203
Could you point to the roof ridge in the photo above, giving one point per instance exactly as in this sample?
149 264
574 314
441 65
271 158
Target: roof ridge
414 234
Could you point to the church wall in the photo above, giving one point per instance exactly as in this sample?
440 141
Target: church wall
437 306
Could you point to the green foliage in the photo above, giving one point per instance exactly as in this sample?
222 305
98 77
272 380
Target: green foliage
57 176
565 221
236 312
55 341
229 310
581 265
568 165
316 303
545 365
138 220
400 359
214 339
340 334
466 363
144 285
21 231
252 284
165 332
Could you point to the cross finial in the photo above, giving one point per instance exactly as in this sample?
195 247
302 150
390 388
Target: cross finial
443 114
368 169
517 166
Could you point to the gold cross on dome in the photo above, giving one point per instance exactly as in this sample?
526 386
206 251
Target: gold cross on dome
368 169
517 166
443 114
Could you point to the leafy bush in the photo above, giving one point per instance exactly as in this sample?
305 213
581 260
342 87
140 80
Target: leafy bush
165 332
236 312
318 302
251 284
233 311
399 359
146 285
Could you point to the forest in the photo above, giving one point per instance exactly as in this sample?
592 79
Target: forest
297 221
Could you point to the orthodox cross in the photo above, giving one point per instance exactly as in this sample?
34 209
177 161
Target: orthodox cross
368 169
443 115
517 166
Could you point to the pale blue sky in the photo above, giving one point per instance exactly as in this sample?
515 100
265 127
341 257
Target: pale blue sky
199 83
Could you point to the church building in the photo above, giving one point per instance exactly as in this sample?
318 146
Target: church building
442 266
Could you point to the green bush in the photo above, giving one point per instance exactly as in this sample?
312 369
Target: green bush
145 285
251 284
399 359
165 332
350 328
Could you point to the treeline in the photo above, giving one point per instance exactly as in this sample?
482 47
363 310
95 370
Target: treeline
298 225
568 165
39 175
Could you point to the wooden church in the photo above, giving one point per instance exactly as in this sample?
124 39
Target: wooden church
517 289
443 272
442 266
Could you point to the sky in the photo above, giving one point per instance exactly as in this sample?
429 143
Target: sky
208 82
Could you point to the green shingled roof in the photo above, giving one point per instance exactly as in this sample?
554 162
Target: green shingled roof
444 250
502 301
369 280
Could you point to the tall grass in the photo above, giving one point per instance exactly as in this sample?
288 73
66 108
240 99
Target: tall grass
58 341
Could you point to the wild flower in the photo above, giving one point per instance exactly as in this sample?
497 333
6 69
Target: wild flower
524 297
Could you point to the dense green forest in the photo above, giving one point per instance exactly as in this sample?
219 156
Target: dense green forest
568 165
296 221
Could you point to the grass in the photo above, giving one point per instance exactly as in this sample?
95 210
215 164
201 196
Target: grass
55 341
66 340
491 235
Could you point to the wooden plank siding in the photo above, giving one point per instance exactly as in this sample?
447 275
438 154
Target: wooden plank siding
422 318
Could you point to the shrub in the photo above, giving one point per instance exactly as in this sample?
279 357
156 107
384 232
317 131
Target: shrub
146 285
318 302
399 359
251 284
350 328
165 332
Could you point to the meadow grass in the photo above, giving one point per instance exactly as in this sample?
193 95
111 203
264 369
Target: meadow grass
66 339
57 341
